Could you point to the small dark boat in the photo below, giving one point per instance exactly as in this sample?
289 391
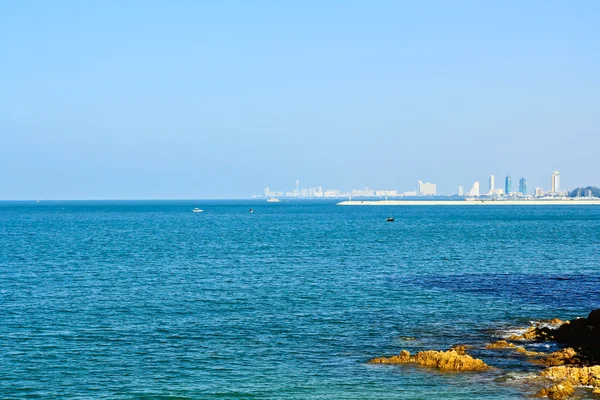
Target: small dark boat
390 219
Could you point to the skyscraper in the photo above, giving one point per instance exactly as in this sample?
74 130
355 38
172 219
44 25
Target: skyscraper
475 189
523 186
507 185
555 182
491 184
460 191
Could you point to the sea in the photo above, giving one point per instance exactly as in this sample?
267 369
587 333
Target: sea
148 300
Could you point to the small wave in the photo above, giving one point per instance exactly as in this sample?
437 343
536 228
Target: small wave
506 333
516 376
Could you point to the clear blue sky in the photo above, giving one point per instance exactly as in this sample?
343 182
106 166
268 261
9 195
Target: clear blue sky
204 99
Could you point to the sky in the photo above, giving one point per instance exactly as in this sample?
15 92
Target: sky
219 99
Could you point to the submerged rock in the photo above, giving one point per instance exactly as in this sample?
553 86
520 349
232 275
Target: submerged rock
449 360
500 344
527 353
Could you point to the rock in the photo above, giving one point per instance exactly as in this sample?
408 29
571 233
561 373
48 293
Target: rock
449 360
460 349
555 321
527 353
560 357
530 334
402 358
594 317
596 391
500 344
586 376
582 334
559 391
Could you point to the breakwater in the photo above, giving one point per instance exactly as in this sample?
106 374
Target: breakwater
586 202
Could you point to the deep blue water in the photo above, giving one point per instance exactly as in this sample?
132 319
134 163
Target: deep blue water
149 300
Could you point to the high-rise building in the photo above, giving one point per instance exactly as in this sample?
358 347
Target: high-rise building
507 185
555 182
491 184
267 192
523 186
426 189
539 192
475 189
460 191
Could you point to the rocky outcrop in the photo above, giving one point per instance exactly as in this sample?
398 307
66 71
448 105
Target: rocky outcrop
560 357
583 334
559 391
449 360
585 376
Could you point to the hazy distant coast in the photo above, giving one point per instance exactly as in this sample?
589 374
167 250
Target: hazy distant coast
561 202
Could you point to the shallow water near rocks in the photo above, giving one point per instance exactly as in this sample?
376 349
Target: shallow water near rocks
149 300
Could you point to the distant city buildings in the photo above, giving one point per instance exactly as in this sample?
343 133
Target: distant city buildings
423 189
426 189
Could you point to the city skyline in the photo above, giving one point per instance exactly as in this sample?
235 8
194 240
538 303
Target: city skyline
424 189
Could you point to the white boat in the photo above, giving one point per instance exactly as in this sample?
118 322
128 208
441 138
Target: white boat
273 200
197 210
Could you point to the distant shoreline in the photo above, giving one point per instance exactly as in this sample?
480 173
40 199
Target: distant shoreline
593 202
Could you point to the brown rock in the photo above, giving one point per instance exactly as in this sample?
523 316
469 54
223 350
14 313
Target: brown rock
531 334
449 360
560 357
500 344
460 349
402 358
557 392
555 321
527 353
586 376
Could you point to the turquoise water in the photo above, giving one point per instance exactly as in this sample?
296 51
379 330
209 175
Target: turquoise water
149 300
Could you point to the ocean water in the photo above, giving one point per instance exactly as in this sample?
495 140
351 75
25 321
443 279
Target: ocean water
128 300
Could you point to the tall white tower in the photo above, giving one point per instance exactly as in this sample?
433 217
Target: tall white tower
297 192
475 189
492 187
555 182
